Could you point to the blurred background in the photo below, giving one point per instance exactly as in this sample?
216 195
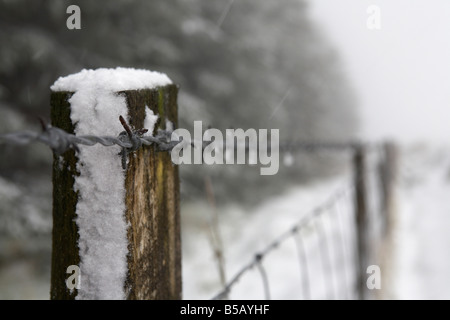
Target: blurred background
318 70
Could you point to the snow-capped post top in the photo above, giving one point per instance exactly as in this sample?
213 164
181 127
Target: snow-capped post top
114 80
119 224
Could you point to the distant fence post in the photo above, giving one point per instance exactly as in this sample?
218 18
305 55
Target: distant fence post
387 176
361 218
151 200
387 172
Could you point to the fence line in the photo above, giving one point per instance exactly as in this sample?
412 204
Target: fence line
131 140
363 250
60 141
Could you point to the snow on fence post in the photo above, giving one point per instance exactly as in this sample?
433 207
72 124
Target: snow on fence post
361 219
120 227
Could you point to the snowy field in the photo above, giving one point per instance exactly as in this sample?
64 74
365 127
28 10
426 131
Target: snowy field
422 253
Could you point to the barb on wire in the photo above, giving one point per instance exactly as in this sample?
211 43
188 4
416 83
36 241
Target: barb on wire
280 239
131 136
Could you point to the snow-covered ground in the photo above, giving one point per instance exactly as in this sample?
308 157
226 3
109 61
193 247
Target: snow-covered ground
422 252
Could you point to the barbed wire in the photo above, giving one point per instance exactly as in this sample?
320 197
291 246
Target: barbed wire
60 141
131 140
291 232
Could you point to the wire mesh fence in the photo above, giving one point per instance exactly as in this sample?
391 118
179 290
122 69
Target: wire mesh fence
326 244
323 253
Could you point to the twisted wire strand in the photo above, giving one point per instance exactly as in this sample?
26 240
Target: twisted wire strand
60 141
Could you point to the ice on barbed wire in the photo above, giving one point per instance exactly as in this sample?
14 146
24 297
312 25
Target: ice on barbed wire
95 110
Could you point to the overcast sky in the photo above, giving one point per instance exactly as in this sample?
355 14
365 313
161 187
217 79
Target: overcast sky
400 73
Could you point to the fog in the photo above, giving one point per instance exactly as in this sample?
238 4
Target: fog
401 72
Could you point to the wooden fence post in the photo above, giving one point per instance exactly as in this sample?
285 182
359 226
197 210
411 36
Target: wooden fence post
152 204
387 172
361 219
